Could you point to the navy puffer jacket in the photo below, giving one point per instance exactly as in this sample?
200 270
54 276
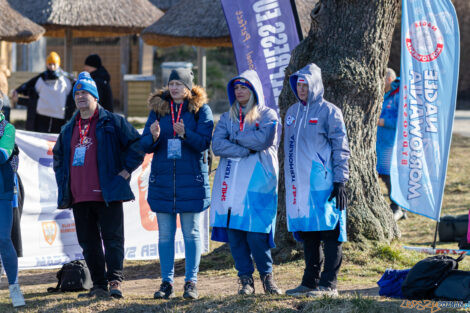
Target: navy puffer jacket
179 185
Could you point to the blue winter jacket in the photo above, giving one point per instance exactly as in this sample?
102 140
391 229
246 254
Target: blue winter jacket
386 133
7 174
179 185
118 149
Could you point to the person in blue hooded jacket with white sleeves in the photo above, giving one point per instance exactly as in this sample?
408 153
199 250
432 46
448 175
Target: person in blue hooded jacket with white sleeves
316 170
386 128
244 194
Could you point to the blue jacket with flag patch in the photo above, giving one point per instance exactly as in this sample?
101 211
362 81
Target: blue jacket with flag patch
316 155
386 133
244 194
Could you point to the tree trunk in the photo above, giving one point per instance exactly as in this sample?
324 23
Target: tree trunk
350 41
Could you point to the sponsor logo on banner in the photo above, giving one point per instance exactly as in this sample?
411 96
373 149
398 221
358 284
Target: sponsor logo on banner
49 230
424 41
147 217
313 121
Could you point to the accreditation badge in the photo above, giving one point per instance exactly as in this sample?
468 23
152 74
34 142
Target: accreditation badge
79 156
174 149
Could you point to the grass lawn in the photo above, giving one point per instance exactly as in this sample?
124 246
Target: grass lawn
363 265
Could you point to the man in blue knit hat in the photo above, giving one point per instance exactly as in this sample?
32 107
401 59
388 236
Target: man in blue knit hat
94 156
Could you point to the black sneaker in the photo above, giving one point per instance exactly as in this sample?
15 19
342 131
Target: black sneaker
247 285
166 291
190 290
95 291
269 285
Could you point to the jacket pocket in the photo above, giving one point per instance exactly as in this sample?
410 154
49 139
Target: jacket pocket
119 188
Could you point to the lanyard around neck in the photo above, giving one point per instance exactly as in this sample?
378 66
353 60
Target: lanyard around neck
86 128
173 115
242 122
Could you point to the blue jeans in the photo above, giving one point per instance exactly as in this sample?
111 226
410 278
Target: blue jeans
243 244
166 244
7 251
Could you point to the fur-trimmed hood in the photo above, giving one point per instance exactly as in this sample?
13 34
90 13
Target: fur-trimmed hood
159 100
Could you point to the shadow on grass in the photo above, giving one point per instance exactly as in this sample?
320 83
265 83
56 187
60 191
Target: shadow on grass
31 279
256 303
218 259
109 305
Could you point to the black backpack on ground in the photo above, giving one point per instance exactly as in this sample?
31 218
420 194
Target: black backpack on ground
424 278
73 276
456 287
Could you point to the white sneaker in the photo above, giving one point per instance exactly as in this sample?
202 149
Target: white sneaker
299 291
16 295
321 291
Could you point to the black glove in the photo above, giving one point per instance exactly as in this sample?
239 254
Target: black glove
339 192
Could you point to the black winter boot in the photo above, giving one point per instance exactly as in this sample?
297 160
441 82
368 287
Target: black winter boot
269 285
247 285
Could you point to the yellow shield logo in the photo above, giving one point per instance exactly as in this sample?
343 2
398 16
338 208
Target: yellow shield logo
49 230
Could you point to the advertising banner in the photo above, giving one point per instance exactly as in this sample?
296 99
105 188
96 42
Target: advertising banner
49 237
263 35
429 77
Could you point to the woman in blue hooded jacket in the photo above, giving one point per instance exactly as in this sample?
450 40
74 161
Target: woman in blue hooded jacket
178 132
244 195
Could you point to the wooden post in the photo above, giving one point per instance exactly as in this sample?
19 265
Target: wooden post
68 51
125 46
201 66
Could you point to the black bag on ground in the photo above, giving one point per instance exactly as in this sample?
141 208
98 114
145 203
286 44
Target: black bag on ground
463 244
453 228
73 276
427 275
455 287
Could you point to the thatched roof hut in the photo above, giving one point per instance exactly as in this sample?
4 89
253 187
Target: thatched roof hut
89 18
15 27
190 22
202 23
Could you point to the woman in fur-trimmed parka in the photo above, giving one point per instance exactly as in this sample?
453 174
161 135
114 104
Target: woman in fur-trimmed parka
178 132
